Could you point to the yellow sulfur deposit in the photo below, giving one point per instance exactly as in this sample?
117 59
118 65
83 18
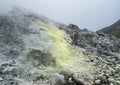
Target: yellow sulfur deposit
66 56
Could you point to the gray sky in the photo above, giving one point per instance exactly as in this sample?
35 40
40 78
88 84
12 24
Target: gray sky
90 14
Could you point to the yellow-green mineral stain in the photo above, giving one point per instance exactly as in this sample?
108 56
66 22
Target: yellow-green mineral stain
66 56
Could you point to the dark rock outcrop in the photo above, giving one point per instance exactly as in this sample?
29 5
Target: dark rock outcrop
113 29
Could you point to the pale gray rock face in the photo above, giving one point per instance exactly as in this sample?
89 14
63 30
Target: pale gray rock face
67 73
10 39
57 79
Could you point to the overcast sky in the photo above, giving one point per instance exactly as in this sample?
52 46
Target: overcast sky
90 14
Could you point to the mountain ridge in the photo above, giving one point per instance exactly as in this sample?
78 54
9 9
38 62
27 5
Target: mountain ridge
113 29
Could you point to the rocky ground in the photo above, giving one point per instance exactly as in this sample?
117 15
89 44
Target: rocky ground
37 51
103 51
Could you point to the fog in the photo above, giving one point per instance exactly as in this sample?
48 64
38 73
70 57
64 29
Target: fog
90 14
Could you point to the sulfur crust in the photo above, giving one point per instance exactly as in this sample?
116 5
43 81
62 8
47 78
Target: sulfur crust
66 56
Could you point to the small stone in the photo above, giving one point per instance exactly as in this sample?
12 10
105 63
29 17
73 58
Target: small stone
111 79
98 81
118 82
116 75
101 75
57 79
66 73
111 84
87 60
1 78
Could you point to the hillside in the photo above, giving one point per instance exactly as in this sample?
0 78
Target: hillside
35 50
113 29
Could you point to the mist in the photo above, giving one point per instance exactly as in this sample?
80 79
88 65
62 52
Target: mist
90 14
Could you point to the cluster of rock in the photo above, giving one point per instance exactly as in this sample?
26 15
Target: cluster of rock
103 51
65 77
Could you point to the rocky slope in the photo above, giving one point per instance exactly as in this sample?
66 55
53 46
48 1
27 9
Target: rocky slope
113 30
33 48
103 51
